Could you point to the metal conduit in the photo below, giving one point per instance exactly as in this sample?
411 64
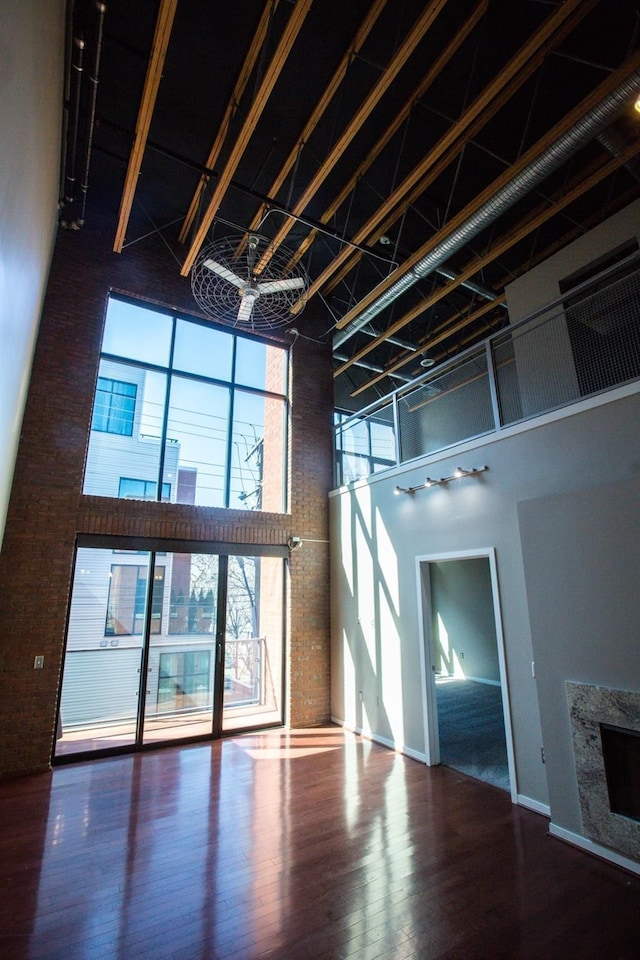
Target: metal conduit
585 130
468 284
374 367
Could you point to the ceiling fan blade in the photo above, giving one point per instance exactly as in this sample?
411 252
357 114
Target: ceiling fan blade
246 306
274 286
224 272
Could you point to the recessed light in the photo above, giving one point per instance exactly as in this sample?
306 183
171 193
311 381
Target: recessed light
427 362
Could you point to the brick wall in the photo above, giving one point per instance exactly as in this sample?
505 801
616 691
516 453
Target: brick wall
47 509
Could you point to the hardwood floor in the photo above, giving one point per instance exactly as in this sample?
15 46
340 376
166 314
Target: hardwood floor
302 845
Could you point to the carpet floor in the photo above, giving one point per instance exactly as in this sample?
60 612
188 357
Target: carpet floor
471 729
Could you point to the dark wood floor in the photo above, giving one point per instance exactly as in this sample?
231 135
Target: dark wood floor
299 846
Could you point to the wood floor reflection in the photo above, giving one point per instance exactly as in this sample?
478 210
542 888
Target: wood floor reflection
302 845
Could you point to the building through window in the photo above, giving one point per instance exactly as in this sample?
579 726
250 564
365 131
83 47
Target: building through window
188 412
114 407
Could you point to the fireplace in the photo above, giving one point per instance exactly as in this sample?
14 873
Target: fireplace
621 753
605 729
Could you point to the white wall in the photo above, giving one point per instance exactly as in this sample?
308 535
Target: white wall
541 285
377 535
31 89
582 560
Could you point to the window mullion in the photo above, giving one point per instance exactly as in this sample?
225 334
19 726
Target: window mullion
165 416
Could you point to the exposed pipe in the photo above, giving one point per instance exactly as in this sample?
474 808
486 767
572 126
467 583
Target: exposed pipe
584 131
68 56
93 79
78 67
404 344
374 367
469 285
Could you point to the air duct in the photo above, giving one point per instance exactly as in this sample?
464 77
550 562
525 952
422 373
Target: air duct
584 131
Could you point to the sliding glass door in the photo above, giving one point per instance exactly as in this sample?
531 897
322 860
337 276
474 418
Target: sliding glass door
253 642
181 663
164 646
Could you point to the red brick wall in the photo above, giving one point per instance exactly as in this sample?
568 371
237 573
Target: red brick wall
47 509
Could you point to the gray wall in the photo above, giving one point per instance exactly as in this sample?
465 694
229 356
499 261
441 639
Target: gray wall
376 537
462 605
31 79
582 569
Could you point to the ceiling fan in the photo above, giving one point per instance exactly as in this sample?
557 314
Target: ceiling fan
246 281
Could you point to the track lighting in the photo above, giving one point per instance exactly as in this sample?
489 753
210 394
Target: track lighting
458 474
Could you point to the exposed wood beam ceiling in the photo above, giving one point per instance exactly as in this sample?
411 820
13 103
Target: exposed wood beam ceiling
363 140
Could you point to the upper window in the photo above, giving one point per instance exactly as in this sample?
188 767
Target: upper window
195 414
114 407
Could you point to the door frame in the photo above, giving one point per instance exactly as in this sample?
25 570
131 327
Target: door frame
428 660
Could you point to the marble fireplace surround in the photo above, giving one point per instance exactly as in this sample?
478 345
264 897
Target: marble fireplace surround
589 706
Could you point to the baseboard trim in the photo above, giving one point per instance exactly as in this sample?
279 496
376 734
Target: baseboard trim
383 741
534 805
604 853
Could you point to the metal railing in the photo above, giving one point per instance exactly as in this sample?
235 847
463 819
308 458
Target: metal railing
583 343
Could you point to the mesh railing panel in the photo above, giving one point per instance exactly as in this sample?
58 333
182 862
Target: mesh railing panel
588 344
605 335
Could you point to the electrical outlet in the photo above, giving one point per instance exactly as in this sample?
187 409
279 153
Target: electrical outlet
461 655
360 697
38 663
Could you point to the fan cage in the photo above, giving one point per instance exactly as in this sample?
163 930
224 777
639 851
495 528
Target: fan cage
220 299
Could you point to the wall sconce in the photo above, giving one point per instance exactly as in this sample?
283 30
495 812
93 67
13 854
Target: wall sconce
458 474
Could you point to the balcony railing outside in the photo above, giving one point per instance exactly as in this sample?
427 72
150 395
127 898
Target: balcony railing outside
582 344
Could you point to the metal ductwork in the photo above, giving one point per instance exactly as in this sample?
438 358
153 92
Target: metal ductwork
585 130
615 142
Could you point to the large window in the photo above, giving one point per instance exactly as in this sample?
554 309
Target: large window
188 412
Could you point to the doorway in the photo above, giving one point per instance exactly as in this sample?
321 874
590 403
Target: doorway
169 645
466 696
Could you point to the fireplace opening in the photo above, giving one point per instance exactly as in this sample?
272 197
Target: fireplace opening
621 752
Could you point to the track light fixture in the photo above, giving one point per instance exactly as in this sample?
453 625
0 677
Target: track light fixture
458 474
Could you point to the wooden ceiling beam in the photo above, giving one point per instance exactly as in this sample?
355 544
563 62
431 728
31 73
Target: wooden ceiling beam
289 36
401 117
494 95
398 61
585 106
512 237
316 115
164 25
230 111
